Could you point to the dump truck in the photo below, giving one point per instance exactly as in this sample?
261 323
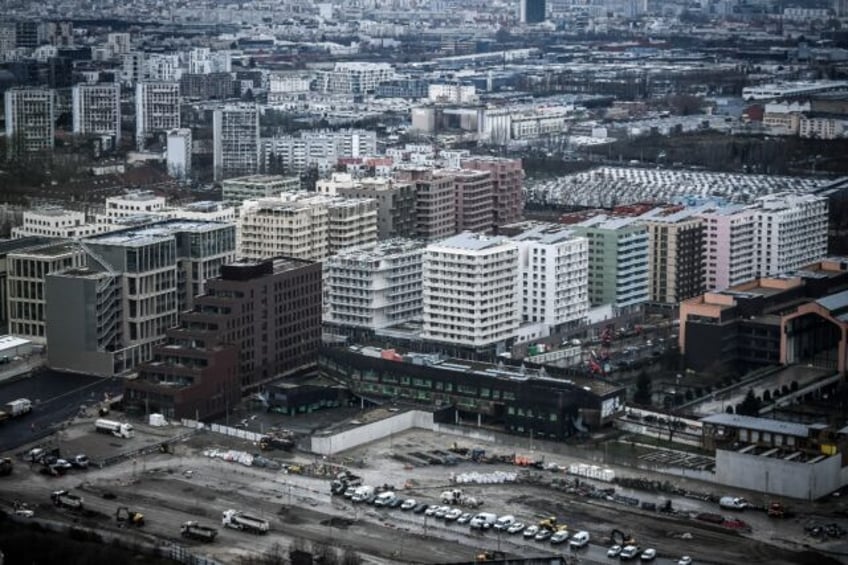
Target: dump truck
6 466
117 429
126 517
65 499
195 531
241 521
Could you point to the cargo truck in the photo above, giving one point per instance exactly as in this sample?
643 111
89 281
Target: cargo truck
240 521
15 409
117 429
66 499
733 503
195 531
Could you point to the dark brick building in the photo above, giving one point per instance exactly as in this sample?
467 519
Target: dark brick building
212 86
259 321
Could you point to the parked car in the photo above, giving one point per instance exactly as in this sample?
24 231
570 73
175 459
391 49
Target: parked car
442 511
395 503
515 528
685 560
420 508
62 464
614 551
408 504
628 552
453 514
432 510
648 555
543 535
531 531
465 518
559 537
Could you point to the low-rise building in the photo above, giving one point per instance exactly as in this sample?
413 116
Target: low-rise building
237 190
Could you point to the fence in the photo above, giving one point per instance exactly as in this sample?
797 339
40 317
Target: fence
184 555
223 430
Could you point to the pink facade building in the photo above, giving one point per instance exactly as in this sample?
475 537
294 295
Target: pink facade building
508 186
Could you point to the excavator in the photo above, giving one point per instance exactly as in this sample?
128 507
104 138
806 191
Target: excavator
127 517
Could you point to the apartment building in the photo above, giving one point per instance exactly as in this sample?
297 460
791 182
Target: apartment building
553 266
251 187
355 78
178 153
26 272
618 260
350 222
54 222
507 186
134 282
473 199
257 322
791 231
235 141
374 286
676 245
435 215
212 86
271 227
96 109
395 204
157 109
470 291
730 246
321 149
130 204
30 119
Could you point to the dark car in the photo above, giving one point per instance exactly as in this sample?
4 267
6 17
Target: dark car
395 503
420 508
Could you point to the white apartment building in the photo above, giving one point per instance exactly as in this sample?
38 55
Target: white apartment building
55 222
730 246
118 44
157 109
355 77
470 291
453 93
235 141
287 83
132 204
320 148
178 153
96 109
162 67
26 272
251 187
822 127
305 225
374 286
203 211
30 119
334 184
503 124
553 266
791 231
203 61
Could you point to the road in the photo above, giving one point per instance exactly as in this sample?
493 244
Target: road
55 396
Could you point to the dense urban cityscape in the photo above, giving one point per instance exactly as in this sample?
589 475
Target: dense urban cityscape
424 281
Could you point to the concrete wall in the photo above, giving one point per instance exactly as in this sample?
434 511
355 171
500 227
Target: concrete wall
779 477
366 433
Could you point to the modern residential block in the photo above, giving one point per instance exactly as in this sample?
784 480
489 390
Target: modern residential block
157 109
237 190
178 156
675 256
507 186
235 141
30 119
435 215
395 204
473 199
96 109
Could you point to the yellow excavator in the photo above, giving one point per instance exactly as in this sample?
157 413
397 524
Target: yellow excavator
127 517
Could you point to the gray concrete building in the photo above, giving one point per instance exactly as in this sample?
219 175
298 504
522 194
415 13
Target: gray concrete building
395 204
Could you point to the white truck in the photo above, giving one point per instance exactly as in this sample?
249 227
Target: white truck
241 521
361 494
195 531
117 429
65 499
456 497
733 503
16 408
483 521
384 498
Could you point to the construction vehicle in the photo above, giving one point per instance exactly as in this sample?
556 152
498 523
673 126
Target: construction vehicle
127 517
18 407
65 499
117 429
276 441
6 466
343 480
240 521
455 497
617 537
489 555
549 524
195 531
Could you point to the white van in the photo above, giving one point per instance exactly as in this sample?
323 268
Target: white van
504 522
384 498
580 539
483 520
361 494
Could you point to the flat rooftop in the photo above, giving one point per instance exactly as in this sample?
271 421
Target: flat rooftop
10 245
150 233
759 424
56 250
472 241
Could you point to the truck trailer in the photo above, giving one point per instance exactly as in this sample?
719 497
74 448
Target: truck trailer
240 521
195 531
117 429
66 499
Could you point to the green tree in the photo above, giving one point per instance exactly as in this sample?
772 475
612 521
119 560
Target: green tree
643 389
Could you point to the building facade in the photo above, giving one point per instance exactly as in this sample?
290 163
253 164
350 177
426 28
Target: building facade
473 199
257 322
791 232
470 289
178 155
30 119
96 109
395 204
355 78
322 149
55 222
507 186
675 257
730 247
235 141
374 286
532 11
435 215
237 190
157 109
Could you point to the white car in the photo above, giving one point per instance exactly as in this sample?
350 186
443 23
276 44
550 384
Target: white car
465 518
408 504
453 514
648 555
614 551
531 531
515 528
432 510
559 537
685 560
